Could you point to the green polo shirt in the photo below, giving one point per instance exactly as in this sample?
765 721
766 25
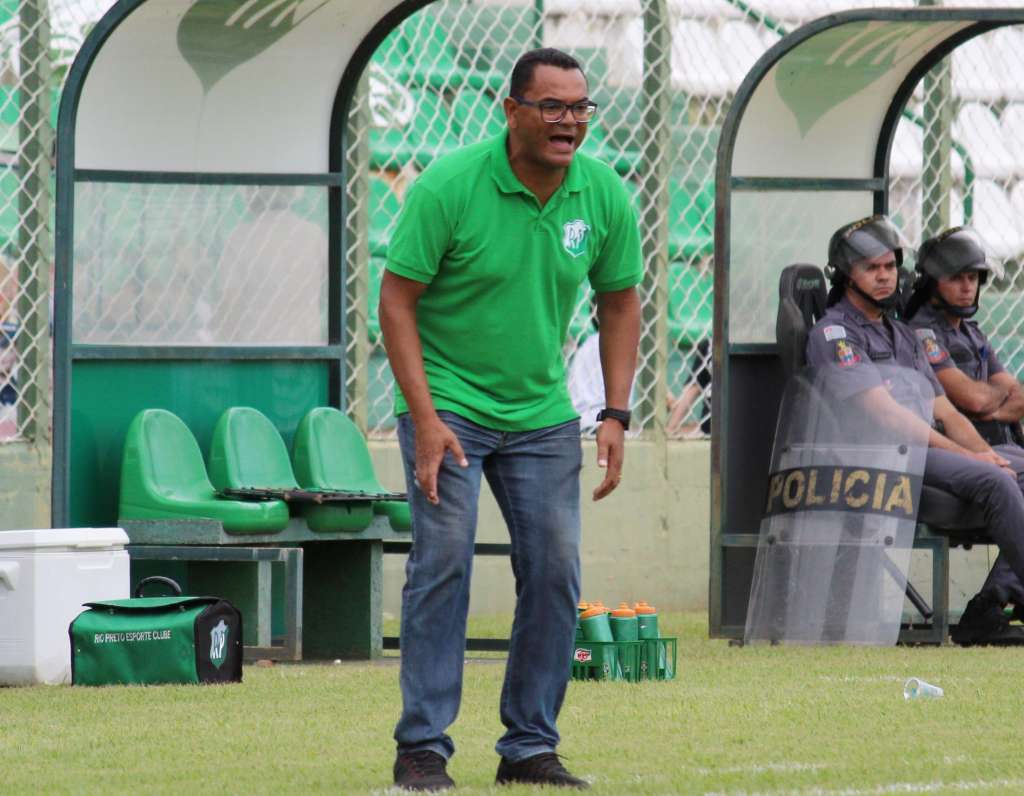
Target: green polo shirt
503 274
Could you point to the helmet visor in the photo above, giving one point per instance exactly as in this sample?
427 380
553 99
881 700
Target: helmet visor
955 251
865 240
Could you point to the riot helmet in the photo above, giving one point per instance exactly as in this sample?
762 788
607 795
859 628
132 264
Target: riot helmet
858 241
946 255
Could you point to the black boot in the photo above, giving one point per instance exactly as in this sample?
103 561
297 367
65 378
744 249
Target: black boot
984 623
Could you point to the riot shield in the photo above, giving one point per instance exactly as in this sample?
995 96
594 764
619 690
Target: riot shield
838 521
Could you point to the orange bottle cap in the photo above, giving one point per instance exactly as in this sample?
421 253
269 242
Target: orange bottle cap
583 606
624 612
594 610
644 608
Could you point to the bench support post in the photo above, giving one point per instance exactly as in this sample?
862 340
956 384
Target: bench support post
342 598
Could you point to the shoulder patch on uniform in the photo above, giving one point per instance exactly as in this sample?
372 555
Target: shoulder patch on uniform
846 356
924 333
835 333
933 350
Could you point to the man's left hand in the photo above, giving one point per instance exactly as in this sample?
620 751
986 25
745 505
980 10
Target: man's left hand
610 451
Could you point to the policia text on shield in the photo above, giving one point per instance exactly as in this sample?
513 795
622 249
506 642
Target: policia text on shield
858 332
825 488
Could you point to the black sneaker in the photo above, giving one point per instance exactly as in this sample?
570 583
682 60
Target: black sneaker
984 623
422 771
542 769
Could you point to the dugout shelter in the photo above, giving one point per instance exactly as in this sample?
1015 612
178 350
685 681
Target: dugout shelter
805 148
200 232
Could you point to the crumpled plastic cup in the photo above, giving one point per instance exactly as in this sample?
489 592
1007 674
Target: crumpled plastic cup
915 688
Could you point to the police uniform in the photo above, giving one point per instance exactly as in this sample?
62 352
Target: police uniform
969 349
966 348
846 338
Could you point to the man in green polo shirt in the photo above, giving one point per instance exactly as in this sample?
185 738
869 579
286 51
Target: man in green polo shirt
483 271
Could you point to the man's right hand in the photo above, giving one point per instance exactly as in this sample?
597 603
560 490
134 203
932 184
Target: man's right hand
433 439
990 457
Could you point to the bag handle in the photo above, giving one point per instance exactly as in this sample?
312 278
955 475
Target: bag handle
171 584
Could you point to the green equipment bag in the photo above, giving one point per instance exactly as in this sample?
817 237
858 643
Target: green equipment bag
152 640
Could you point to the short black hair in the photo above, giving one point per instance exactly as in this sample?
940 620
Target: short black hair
522 72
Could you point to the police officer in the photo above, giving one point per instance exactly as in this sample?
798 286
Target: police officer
952 267
856 333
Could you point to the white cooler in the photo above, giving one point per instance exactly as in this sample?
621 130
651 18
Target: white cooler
45 576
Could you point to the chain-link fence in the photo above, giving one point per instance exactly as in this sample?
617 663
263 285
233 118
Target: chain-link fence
663 73
38 42
437 83
170 265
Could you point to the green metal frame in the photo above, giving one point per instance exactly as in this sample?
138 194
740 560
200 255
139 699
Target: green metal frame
722 446
67 176
206 177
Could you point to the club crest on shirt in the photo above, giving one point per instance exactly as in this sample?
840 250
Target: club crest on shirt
846 356
574 236
933 350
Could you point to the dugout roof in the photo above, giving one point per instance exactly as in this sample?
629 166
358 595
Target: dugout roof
805 148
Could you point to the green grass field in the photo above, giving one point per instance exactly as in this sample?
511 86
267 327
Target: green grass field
736 720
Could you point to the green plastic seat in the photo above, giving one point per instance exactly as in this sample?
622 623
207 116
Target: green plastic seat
247 451
163 477
331 453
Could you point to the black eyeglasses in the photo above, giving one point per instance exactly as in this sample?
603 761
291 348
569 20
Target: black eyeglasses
553 111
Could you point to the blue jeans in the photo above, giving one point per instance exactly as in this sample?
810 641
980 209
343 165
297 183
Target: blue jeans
535 477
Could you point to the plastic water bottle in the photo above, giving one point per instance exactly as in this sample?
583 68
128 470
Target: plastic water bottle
596 627
916 688
583 606
647 620
624 624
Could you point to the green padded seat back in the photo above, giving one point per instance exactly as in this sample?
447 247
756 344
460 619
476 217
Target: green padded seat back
247 451
163 478
331 453
162 455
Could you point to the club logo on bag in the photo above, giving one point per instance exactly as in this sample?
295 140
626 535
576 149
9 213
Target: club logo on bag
574 236
219 644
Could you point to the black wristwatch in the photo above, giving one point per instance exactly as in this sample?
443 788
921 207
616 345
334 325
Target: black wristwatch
622 415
